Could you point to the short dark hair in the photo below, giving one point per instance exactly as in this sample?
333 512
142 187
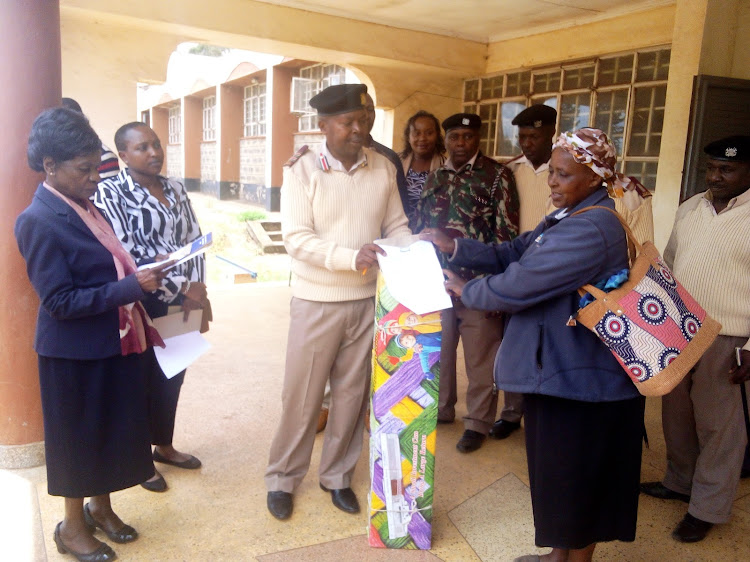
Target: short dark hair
439 143
62 134
70 103
122 132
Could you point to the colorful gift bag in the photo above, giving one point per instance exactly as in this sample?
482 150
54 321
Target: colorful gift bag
403 418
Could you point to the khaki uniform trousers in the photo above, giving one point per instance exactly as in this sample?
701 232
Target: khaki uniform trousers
328 341
481 337
704 429
512 407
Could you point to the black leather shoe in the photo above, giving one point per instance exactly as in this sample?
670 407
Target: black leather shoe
343 498
280 504
158 485
102 554
190 463
691 529
470 441
125 534
503 428
659 490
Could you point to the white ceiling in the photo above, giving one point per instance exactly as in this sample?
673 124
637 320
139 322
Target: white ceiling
484 21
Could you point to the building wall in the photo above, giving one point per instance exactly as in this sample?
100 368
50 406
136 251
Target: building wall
174 160
102 64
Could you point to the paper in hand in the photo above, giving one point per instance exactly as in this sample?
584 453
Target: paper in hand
413 274
189 251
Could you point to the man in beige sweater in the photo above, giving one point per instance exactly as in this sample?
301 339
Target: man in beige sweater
704 426
335 201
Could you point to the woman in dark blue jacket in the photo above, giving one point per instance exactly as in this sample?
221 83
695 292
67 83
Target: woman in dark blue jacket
90 336
584 417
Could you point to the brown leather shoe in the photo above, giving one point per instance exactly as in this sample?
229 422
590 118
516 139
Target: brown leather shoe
691 529
322 420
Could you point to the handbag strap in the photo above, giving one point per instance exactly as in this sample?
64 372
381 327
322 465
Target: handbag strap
634 247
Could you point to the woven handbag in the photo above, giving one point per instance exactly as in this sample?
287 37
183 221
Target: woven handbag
651 324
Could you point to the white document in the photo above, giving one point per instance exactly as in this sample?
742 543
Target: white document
180 352
413 274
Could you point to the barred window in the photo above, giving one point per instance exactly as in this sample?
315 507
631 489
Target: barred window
209 114
255 110
624 95
175 125
319 77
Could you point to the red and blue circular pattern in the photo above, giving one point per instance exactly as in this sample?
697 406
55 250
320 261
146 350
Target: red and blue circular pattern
639 370
690 326
667 276
613 328
651 308
667 356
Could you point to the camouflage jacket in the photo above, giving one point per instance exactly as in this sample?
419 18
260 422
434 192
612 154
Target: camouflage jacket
479 202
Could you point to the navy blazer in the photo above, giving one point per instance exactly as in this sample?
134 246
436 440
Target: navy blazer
76 280
535 278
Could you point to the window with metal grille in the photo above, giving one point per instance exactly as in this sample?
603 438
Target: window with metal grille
315 79
175 125
209 115
255 110
624 95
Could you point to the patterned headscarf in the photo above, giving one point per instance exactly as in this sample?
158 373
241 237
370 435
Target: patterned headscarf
592 148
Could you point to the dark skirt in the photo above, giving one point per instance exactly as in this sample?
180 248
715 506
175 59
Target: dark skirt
96 433
584 469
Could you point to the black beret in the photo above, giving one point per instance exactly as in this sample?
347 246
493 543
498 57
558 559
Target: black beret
734 149
536 116
462 120
342 98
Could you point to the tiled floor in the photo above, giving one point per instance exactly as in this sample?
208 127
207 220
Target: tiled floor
228 411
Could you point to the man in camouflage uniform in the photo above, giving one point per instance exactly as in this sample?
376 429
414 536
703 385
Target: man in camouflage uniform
471 196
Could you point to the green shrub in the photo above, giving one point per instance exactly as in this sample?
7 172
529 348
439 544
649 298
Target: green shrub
253 215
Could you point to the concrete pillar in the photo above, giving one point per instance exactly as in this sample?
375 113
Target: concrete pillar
30 68
282 125
230 129
192 136
703 43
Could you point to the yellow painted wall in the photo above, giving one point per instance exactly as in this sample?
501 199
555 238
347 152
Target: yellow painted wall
631 31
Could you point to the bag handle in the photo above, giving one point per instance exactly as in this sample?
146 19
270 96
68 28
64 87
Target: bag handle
634 247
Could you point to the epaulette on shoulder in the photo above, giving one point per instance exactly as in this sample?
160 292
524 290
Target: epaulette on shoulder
297 155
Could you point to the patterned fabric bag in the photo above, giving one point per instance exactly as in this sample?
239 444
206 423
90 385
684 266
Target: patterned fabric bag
651 324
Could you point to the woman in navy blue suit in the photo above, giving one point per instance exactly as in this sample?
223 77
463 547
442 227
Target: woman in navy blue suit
90 337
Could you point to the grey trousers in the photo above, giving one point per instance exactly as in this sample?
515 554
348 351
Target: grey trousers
328 341
481 336
704 429
512 407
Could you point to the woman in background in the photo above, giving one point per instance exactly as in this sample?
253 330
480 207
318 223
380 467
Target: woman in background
423 153
90 336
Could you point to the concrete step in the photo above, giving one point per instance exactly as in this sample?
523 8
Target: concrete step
269 242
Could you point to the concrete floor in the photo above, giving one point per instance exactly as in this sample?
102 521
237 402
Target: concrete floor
228 412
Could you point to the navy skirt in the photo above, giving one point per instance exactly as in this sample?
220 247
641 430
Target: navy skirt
584 469
96 432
